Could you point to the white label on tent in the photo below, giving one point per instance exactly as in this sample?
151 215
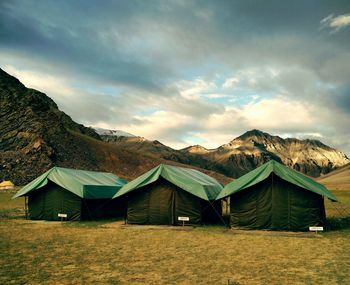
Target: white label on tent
62 215
185 219
315 229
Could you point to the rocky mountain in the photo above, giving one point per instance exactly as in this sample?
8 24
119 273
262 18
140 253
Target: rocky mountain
245 153
112 133
159 150
255 147
35 135
196 149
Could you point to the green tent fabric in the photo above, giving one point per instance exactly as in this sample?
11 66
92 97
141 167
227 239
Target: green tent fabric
261 173
85 184
276 197
166 192
77 193
51 200
190 180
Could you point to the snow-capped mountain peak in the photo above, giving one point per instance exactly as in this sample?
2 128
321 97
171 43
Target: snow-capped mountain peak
115 133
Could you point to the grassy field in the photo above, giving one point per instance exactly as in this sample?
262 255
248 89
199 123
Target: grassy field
39 252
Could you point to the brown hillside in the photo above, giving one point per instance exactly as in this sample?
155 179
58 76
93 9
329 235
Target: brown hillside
35 136
338 179
244 153
129 164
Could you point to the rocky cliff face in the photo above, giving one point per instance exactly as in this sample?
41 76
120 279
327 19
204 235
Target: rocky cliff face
254 148
157 149
112 134
35 134
244 153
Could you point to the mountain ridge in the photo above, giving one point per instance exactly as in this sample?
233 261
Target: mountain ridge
246 152
35 135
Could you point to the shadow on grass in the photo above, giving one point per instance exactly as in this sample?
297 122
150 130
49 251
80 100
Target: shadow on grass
338 224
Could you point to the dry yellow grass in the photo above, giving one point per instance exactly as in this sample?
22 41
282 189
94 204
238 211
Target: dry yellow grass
340 209
338 179
111 253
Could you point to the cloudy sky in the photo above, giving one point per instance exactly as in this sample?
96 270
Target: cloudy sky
188 72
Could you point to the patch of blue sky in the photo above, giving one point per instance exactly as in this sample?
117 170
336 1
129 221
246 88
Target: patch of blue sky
148 111
190 139
325 85
218 98
208 71
98 89
244 96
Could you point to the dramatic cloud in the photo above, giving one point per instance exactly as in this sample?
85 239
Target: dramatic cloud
187 72
336 23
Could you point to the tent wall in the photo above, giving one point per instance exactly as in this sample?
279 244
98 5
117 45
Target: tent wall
162 203
187 205
138 207
48 202
277 205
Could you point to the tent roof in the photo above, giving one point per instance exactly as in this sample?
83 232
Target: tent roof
6 183
261 173
85 184
190 180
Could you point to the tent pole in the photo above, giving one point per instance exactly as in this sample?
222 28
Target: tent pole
25 207
227 207
127 207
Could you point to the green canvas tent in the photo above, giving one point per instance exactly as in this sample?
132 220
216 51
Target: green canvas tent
78 193
165 193
276 197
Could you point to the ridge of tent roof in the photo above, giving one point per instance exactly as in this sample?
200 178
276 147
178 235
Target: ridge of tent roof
188 179
262 172
83 183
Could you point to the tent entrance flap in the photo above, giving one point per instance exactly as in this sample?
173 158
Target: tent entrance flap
160 211
187 205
